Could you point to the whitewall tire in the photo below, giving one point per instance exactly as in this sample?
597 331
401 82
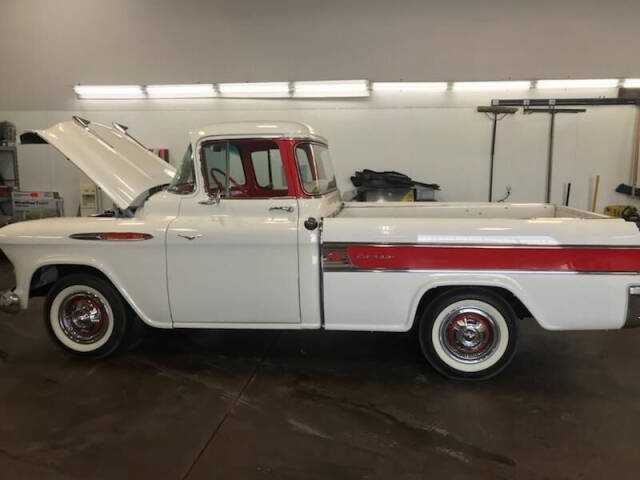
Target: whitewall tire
86 316
469 333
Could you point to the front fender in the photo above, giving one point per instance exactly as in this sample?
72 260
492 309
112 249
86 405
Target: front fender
153 316
136 268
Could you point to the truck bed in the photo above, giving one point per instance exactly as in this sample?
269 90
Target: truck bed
475 223
461 210
560 262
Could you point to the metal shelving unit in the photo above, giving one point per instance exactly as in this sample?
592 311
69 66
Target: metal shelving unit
9 180
9 175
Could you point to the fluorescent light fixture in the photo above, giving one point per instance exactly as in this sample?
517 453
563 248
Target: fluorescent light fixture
631 83
270 89
196 90
592 83
409 87
479 86
109 92
340 88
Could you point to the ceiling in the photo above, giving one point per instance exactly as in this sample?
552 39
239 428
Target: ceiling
48 46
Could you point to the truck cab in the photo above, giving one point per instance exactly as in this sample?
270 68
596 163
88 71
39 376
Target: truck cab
251 197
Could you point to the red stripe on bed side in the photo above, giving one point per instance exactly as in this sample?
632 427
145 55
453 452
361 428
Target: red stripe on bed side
573 259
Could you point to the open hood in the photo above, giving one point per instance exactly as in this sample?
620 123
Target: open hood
122 167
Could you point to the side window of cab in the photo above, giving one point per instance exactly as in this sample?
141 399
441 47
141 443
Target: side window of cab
184 180
222 168
245 168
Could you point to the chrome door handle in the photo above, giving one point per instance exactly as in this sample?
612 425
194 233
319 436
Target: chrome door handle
189 237
282 208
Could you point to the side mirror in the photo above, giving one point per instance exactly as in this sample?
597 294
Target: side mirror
214 198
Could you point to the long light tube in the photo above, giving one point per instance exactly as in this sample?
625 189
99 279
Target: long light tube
581 83
265 89
109 92
481 86
196 90
340 88
631 83
409 87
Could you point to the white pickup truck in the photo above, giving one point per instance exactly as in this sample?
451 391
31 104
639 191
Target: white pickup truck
250 232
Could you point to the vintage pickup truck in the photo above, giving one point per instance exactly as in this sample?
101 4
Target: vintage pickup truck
250 232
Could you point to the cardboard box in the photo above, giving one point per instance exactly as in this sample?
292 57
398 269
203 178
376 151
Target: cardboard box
34 205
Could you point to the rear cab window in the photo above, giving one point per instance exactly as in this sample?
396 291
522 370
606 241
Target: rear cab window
315 168
268 168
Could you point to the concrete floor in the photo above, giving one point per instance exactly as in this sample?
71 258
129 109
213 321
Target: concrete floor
210 404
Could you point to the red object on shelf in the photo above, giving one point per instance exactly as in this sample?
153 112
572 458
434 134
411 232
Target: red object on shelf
163 153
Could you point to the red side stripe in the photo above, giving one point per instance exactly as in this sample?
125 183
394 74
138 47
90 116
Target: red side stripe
571 259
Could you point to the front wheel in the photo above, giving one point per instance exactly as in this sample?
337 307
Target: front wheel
86 316
469 334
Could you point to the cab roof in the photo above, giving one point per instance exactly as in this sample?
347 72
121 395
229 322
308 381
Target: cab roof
263 129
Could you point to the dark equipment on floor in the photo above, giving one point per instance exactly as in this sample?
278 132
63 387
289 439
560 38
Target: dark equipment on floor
391 186
628 212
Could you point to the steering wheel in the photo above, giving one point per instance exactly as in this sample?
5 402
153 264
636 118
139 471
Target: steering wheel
215 170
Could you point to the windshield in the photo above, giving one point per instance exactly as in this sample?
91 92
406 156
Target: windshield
184 181
315 168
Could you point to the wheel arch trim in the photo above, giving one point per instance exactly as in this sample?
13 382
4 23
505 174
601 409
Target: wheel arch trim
24 293
490 282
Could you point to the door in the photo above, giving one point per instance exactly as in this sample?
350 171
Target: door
235 262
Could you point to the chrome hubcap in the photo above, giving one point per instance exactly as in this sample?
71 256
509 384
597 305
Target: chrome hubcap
469 335
83 317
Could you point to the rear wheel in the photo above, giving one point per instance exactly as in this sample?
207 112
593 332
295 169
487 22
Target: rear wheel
86 316
469 334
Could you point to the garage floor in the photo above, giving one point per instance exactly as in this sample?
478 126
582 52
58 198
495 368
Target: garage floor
210 404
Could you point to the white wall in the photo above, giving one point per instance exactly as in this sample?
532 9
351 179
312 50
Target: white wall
50 45
434 138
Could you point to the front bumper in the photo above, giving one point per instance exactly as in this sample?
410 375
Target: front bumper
9 302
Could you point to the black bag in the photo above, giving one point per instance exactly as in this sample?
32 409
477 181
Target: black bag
370 179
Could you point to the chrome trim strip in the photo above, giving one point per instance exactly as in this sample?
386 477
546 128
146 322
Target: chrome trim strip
497 272
281 136
85 236
478 245
86 125
321 273
97 236
342 248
